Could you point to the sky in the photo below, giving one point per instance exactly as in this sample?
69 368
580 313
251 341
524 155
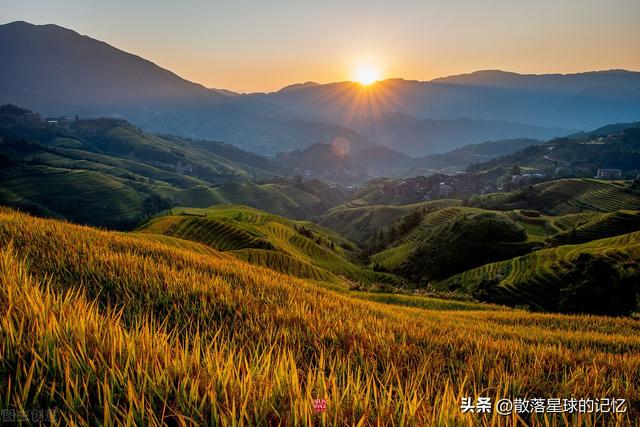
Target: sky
263 45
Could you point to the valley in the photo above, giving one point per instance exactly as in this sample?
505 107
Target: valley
441 234
402 241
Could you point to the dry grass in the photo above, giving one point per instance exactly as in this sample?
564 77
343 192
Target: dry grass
114 329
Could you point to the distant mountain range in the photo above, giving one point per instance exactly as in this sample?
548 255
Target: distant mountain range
56 71
614 147
551 100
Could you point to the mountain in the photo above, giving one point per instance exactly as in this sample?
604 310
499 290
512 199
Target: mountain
610 147
337 162
380 160
330 162
56 71
582 100
460 158
605 130
393 113
110 173
419 137
568 83
579 100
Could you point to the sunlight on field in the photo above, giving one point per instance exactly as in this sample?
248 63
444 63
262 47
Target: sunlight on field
160 333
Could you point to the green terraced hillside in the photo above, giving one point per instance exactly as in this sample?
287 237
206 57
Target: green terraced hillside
85 196
574 196
545 230
392 258
358 221
281 197
536 279
566 196
299 248
107 172
452 240
585 227
576 228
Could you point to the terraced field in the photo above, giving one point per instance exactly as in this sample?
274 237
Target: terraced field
299 248
392 258
108 173
284 263
180 244
567 222
566 196
280 199
84 195
581 228
358 221
123 328
211 232
249 218
537 227
534 279
579 195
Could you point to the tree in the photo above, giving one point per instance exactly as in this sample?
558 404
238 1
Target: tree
486 289
596 285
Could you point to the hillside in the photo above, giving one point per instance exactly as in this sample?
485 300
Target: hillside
460 158
411 243
379 160
582 228
600 276
329 162
430 230
449 241
107 172
425 135
295 199
565 196
346 163
611 147
358 221
298 248
169 334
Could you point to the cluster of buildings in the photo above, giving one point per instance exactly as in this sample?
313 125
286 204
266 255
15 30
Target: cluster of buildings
609 174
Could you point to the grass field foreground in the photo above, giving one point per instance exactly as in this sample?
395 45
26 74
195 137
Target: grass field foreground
111 328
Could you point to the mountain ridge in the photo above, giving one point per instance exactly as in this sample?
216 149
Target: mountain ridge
57 71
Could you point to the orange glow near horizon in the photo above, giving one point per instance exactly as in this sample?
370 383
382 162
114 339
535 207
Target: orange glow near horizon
265 46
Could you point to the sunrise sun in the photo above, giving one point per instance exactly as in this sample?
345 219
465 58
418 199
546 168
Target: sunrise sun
366 74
